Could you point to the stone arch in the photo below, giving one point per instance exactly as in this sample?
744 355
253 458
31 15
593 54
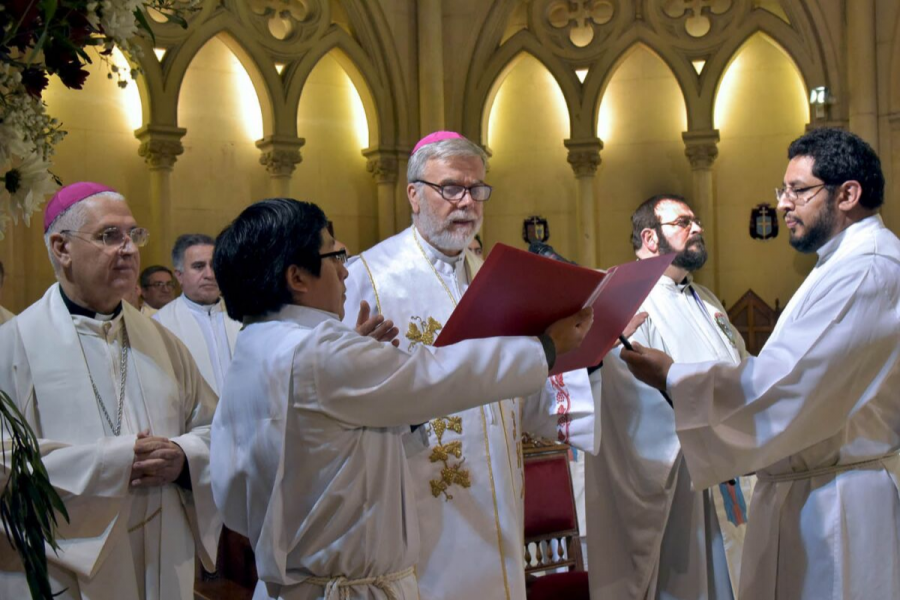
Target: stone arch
376 100
480 94
781 35
602 72
252 56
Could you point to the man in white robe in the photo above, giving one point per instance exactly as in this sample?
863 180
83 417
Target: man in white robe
120 411
652 535
198 315
308 439
817 413
468 472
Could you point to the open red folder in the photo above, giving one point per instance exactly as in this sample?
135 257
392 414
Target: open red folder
520 293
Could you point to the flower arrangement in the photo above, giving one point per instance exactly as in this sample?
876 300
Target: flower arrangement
43 38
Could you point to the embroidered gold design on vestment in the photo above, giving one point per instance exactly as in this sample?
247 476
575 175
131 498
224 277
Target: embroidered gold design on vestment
452 473
426 335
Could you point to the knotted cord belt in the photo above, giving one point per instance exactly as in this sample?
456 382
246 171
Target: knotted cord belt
338 588
832 470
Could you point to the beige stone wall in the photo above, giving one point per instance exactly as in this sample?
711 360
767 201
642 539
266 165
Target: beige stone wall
528 169
641 117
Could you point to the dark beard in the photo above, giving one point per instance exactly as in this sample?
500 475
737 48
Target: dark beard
819 232
691 258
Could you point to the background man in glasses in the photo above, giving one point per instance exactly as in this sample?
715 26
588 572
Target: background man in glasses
198 315
157 288
121 412
816 415
467 473
650 534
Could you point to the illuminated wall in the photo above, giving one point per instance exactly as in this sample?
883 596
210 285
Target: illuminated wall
333 172
642 116
761 107
219 173
527 125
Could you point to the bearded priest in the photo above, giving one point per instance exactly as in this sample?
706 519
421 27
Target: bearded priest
470 498
121 413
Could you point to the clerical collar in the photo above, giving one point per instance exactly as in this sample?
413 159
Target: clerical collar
80 311
679 285
201 308
437 254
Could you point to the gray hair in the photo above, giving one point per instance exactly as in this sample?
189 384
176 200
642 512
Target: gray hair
73 219
440 151
186 241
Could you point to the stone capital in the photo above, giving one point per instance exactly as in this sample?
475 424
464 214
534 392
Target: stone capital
701 148
280 154
160 145
383 165
584 156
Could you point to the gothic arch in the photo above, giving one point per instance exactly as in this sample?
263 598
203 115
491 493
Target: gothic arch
355 62
602 72
810 71
258 64
479 97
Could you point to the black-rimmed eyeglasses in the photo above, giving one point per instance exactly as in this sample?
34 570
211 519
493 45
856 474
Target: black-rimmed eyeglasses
338 255
455 193
113 237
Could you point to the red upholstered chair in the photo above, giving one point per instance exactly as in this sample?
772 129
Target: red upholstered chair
551 526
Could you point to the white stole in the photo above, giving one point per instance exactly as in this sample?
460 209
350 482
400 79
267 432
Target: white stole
180 320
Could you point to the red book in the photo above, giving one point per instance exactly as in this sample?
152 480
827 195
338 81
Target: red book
520 293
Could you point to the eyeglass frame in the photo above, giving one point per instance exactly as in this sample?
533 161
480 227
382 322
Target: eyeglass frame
795 192
690 221
341 255
440 189
128 235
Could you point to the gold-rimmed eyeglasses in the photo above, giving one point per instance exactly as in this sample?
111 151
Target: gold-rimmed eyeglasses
796 195
113 237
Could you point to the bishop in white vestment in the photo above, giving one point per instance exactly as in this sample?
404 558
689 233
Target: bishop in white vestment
98 387
308 439
651 533
467 472
817 414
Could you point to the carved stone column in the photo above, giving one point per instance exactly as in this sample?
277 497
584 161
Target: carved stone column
160 147
861 73
584 156
280 156
382 164
701 148
431 66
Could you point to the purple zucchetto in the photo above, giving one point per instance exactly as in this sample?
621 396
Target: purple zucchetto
437 136
69 195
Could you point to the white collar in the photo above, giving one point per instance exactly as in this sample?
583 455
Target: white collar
207 309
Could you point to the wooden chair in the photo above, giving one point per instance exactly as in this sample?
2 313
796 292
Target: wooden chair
754 320
554 566
235 576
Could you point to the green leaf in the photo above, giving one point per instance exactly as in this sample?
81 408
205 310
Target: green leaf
28 502
144 24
